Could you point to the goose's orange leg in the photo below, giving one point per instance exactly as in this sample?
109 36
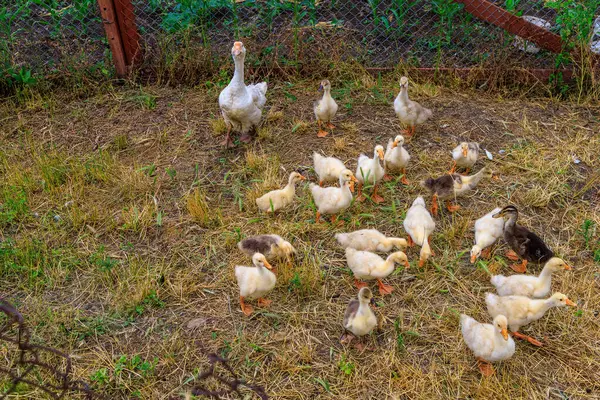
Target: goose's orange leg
434 205
520 268
383 288
404 180
228 142
453 169
246 308
377 198
359 196
531 340
322 132
485 367
359 284
264 302
452 207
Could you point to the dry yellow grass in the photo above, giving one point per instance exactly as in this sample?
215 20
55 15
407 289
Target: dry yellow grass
135 276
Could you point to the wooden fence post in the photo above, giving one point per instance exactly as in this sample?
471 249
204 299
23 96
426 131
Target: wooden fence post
113 35
498 16
130 36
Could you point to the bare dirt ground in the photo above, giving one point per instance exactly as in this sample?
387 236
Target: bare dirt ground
120 215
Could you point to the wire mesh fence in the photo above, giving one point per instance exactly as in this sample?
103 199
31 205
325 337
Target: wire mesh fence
47 35
33 366
377 33
50 35
34 369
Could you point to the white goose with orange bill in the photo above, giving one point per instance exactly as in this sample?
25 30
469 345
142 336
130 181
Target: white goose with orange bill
241 105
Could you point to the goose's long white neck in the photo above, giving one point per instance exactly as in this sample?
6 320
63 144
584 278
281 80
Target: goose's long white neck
541 306
545 274
290 187
403 94
375 162
238 74
477 177
345 186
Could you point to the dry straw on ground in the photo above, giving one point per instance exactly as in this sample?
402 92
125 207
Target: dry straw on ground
120 222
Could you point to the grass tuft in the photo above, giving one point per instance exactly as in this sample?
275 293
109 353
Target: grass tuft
217 126
200 211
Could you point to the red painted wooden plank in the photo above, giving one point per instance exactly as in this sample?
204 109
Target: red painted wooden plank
493 14
113 35
129 32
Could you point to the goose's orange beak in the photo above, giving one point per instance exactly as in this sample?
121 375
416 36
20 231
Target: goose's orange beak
395 144
237 48
570 303
380 154
302 178
568 267
504 333
406 264
269 266
352 181
464 151
473 258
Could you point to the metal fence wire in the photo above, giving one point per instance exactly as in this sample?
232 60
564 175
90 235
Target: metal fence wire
49 370
41 367
44 35
377 33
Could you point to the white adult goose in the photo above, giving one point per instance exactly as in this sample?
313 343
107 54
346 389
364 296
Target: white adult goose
241 105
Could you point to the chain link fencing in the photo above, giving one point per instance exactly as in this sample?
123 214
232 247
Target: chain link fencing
47 36
40 368
34 369
376 33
